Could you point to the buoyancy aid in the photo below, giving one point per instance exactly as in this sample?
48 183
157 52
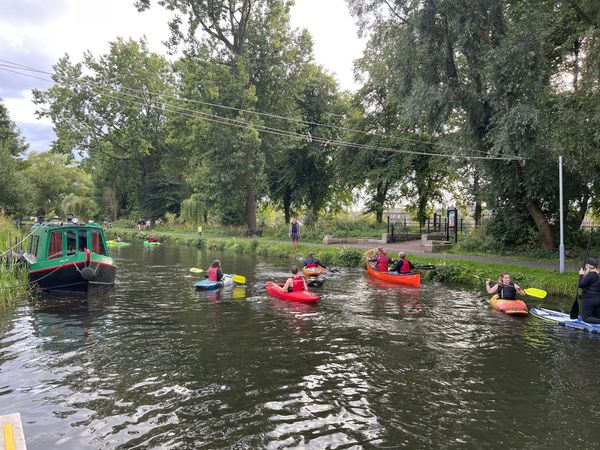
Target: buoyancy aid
404 266
297 284
382 262
213 274
507 292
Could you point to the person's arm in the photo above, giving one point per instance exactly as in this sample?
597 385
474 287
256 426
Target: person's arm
519 290
219 275
287 285
290 230
305 286
490 290
586 279
411 265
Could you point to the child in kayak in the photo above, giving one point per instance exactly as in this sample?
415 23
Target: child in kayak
311 261
215 273
295 283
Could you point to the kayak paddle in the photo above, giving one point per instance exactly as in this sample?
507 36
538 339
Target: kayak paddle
532 292
574 314
196 270
239 279
425 267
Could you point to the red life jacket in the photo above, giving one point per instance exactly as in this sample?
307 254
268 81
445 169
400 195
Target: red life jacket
212 274
382 262
405 267
297 284
311 264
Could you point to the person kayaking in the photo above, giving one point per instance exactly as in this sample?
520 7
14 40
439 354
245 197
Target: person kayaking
295 283
151 238
214 272
294 232
382 261
505 289
402 265
589 281
311 261
119 238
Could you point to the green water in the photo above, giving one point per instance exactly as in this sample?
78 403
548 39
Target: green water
156 364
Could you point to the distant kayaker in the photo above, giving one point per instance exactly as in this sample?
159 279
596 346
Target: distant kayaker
403 265
589 281
295 283
119 238
504 288
294 232
311 261
214 272
151 238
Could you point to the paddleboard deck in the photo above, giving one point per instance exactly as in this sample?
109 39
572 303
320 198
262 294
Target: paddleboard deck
564 320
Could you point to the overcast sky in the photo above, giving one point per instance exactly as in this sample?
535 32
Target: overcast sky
35 33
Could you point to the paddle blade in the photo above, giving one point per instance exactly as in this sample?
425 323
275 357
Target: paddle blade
537 293
425 267
574 314
239 279
196 270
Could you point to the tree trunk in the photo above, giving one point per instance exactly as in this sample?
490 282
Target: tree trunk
287 202
542 224
476 195
582 209
251 207
379 201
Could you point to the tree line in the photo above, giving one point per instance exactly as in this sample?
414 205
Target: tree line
475 98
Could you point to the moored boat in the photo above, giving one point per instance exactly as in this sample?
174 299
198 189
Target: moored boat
69 257
408 279
510 307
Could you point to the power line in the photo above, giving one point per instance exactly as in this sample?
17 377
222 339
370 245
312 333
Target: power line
213 118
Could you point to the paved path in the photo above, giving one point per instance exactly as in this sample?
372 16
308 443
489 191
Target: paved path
415 248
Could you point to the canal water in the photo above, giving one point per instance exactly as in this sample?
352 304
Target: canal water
157 364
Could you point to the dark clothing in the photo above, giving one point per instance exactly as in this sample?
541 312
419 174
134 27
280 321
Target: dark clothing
590 309
507 291
295 228
312 262
402 266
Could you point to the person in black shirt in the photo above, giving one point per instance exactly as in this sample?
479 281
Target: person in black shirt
589 281
505 289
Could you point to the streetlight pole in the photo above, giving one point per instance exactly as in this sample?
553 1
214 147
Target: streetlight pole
561 247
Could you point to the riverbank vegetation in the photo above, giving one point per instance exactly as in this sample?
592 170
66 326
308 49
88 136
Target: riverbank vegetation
13 279
245 119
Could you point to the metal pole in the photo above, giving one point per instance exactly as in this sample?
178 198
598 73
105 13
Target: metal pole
561 247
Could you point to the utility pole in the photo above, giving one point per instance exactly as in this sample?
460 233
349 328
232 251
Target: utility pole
561 247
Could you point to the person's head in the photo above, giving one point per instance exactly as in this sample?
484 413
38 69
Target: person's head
310 255
216 264
401 255
592 262
505 277
293 220
294 270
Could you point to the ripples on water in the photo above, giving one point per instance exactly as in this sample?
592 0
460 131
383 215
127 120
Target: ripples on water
156 364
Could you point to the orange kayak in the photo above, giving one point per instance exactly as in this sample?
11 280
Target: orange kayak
510 307
409 279
313 271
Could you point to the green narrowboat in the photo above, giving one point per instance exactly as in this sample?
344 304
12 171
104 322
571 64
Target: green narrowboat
69 257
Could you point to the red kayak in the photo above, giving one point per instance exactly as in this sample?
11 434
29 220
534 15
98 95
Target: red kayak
408 279
298 296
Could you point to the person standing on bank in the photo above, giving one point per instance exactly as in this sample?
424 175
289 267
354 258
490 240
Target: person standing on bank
589 281
294 232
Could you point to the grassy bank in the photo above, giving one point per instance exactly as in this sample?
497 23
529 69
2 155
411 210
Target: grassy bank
456 272
13 279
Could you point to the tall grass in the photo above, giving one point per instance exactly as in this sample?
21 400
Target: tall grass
13 279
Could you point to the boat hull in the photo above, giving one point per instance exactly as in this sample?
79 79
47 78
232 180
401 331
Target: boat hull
510 307
313 271
70 278
412 279
298 296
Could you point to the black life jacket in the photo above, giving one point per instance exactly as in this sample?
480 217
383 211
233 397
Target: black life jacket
507 291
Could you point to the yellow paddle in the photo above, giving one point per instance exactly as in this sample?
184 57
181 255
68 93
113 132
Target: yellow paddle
196 270
534 292
239 279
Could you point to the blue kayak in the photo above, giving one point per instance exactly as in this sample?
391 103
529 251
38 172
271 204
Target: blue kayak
210 285
564 320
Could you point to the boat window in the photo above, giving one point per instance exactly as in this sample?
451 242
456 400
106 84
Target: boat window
34 245
71 242
55 249
82 238
97 243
